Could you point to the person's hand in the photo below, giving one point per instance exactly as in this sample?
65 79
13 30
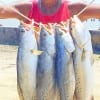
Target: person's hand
26 26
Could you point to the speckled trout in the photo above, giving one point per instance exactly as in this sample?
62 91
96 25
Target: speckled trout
46 64
82 60
26 65
64 64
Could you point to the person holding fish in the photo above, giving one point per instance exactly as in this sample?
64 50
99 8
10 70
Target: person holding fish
64 69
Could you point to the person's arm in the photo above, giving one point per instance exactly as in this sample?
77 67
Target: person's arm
93 11
7 12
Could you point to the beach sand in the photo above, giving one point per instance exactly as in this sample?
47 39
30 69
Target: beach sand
8 83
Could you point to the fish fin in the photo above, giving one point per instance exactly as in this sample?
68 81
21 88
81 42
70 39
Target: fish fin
36 52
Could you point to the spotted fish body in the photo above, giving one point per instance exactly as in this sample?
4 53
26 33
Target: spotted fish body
64 65
26 65
45 71
82 61
79 32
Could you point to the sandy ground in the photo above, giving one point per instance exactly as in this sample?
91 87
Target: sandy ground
8 85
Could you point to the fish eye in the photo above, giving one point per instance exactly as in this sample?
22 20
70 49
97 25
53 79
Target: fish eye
44 34
22 30
61 33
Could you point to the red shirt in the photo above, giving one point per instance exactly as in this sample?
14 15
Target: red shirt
62 14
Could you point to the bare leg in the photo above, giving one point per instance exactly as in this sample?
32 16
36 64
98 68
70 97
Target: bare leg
92 98
74 98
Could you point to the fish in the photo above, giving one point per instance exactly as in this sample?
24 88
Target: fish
79 32
64 64
46 62
83 60
27 59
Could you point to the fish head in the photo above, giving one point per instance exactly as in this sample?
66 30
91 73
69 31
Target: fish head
28 40
68 42
79 32
76 25
43 33
47 41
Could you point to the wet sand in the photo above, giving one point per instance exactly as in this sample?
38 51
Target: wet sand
8 84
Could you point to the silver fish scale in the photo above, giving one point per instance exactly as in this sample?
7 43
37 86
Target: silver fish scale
45 71
82 58
47 42
26 66
64 66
